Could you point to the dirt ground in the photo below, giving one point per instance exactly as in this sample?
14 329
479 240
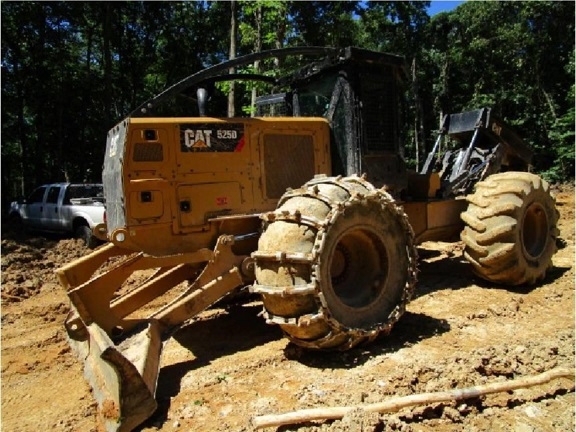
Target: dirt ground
227 365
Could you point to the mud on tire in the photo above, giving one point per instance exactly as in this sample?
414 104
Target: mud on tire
336 264
510 228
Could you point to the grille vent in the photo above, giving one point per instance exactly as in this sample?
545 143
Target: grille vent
288 162
148 152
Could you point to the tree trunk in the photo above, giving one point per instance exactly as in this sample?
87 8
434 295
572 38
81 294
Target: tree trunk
23 137
107 60
231 56
550 103
418 115
257 48
280 33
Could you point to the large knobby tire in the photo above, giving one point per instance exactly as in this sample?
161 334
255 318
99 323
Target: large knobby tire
510 228
336 263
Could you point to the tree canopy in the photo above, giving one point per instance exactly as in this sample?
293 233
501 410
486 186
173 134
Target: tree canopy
72 70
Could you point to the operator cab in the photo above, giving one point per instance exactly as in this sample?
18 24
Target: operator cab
359 93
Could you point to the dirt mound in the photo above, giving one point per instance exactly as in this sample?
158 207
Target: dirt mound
28 262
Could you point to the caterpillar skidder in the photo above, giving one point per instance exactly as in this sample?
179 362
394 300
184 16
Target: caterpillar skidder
309 204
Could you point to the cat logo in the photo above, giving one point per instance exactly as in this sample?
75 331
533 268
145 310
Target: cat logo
199 144
197 139
211 137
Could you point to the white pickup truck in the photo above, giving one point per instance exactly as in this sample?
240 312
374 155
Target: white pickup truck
62 207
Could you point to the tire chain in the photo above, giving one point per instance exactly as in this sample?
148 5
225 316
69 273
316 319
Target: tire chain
350 337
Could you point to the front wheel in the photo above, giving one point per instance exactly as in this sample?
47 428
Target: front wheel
510 228
16 222
336 264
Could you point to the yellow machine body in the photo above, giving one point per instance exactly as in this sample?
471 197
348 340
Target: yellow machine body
184 181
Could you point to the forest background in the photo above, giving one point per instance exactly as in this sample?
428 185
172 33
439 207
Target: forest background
72 70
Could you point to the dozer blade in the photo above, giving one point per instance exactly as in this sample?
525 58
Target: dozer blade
121 348
123 377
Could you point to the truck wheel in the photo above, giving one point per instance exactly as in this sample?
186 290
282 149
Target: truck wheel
84 233
510 228
16 222
336 264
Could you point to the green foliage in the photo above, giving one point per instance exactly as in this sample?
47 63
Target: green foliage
395 26
517 67
71 70
563 138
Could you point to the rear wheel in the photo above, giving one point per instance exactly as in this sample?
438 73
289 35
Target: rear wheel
336 264
84 233
510 228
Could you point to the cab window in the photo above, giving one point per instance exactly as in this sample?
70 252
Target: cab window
37 196
53 194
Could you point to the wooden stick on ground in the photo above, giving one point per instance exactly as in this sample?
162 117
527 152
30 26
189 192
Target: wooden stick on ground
396 404
12 297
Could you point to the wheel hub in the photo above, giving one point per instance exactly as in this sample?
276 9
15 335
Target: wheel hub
534 230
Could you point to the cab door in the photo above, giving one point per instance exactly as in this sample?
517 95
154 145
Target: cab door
33 211
51 218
